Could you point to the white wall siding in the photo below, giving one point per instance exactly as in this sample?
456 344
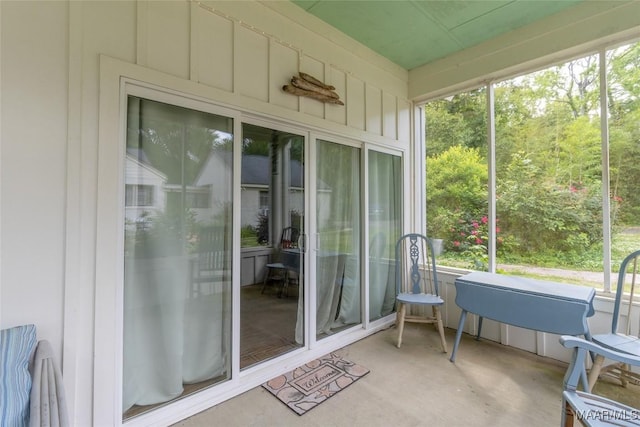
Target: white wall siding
33 165
315 68
404 119
251 65
355 98
389 116
283 60
226 46
212 59
338 113
164 36
118 19
373 108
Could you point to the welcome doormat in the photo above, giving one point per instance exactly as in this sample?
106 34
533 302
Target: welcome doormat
309 385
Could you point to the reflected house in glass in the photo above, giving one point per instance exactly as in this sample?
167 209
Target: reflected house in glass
144 193
256 179
255 182
147 188
213 180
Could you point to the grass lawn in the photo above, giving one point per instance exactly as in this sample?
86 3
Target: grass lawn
590 260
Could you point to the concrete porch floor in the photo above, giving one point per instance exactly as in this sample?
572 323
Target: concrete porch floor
416 385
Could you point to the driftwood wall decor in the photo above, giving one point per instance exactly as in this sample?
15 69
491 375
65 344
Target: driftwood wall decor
309 86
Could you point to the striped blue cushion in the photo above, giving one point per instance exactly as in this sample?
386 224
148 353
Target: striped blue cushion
16 346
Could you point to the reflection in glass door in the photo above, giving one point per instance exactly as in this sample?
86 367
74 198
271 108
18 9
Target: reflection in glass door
385 227
338 248
178 248
272 206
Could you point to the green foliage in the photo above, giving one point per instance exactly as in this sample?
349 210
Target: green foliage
457 202
548 163
469 236
459 120
248 236
176 141
164 234
539 215
259 235
262 231
457 180
625 168
579 152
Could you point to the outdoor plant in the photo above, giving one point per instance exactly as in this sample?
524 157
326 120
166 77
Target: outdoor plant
248 236
468 231
469 236
440 223
262 230
543 216
167 233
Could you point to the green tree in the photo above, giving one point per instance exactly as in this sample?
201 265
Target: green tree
548 155
537 215
457 182
458 120
623 96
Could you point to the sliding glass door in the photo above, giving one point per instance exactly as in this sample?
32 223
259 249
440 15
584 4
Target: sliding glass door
184 307
178 249
272 206
385 227
337 255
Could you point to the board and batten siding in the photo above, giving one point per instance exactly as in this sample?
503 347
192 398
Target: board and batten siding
236 47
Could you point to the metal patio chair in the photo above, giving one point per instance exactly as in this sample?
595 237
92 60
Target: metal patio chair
278 272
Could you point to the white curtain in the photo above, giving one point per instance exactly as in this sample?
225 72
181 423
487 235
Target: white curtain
330 271
338 259
155 292
350 313
173 334
385 214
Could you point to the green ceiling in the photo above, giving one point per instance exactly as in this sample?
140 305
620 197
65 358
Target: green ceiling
415 32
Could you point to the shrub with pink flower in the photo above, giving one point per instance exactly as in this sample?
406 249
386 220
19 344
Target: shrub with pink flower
469 232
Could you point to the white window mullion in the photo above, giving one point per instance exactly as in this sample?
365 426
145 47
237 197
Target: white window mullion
235 266
606 201
491 164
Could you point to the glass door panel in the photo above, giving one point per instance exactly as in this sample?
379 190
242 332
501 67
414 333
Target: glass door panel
272 206
385 227
338 247
178 249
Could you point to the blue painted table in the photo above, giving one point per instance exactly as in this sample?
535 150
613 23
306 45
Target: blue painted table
557 308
